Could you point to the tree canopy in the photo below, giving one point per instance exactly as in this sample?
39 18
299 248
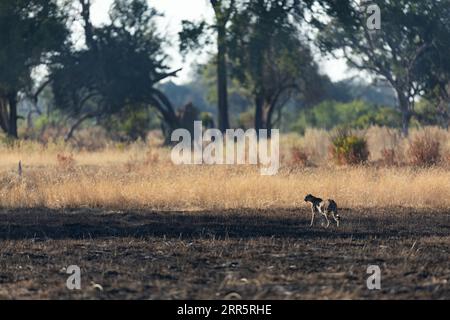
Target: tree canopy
264 68
119 68
395 52
31 32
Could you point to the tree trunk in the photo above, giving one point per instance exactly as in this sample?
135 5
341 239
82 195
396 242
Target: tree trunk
4 115
167 129
222 86
12 126
406 117
165 107
169 117
405 109
446 107
88 29
259 106
269 121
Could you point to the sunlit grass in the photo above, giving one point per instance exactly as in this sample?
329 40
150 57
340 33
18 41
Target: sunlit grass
140 176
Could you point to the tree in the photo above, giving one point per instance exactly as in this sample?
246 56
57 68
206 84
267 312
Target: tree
434 71
117 71
239 97
191 38
395 51
31 32
269 58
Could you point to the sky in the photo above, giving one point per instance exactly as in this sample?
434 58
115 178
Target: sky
194 10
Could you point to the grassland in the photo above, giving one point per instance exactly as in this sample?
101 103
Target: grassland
143 228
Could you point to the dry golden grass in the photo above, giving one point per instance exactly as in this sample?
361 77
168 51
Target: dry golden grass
142 176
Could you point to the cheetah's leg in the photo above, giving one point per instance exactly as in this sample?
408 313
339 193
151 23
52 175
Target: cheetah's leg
313 212
336 219
328 221
324 212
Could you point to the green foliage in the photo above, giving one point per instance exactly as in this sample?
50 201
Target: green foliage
132 123
117 71
434 68
41 122
270 59
246 119
356 114
30 30
348 148
193 36
207 119
402 51
432 112
204 83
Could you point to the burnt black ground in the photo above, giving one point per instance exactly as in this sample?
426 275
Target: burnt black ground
246 253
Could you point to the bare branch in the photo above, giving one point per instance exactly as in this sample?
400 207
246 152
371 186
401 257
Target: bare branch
166 75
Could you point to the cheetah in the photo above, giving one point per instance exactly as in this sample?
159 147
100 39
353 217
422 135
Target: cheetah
326 207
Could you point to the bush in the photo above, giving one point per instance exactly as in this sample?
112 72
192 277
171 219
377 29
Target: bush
131 124
424 149
446 159
348 148
300 157
357 114
389 157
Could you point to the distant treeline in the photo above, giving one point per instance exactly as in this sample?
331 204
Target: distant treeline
263 72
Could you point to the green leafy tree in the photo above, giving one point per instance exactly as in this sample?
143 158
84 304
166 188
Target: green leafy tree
31 32
118 70
356 114
131 123
435 73
195 35
238 96
394 52
269 59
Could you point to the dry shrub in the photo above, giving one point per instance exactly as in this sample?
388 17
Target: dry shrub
445 159
382 139
389 157
314 144
65 161
318 143
348 148
424 149
300 157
